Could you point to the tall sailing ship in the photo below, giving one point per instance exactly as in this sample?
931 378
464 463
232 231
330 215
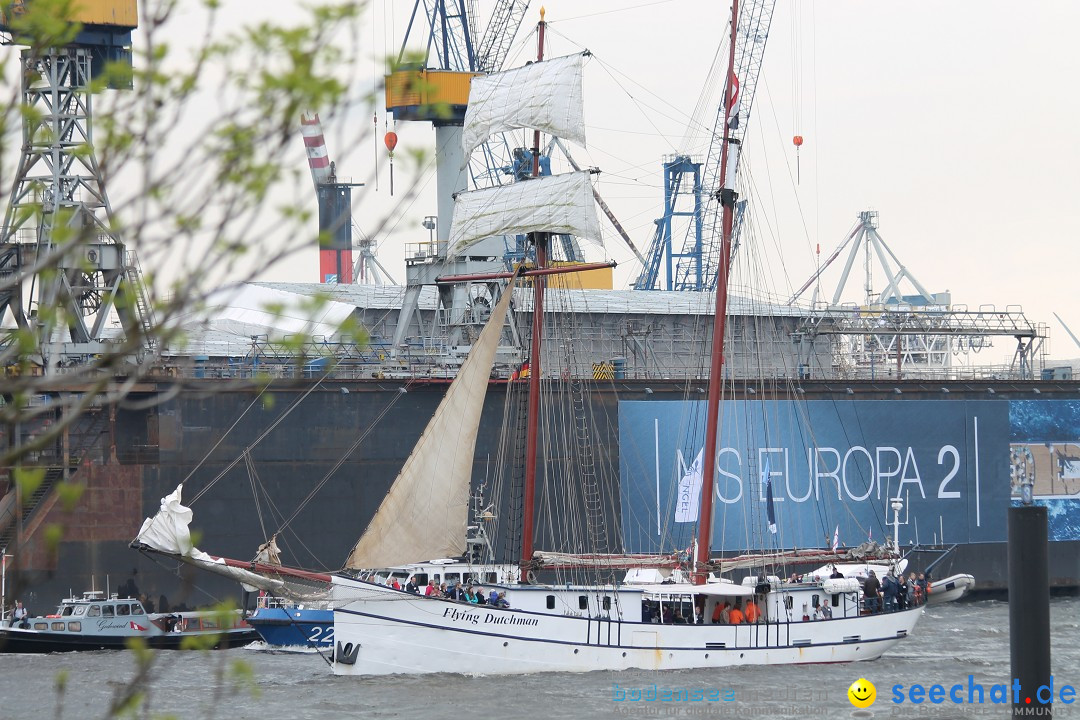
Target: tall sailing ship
568 611
955 442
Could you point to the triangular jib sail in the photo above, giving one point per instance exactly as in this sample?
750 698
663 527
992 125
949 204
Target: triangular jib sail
559 204
425 514
544 96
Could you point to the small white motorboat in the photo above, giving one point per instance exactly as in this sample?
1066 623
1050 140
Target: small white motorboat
949 589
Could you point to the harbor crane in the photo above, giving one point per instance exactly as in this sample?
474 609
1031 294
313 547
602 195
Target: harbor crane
334 196
903 329
65 270
435 88
693 183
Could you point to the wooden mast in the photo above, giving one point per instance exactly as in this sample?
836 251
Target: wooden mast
727 198
540 240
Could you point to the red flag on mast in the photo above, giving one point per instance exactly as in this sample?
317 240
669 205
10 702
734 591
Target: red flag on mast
734 104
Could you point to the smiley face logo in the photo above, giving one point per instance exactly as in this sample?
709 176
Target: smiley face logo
862 693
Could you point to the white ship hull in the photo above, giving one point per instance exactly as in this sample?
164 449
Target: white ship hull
384 631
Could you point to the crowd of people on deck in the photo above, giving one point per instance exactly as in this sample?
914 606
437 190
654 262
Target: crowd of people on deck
889 594
736 612
452 591
893 593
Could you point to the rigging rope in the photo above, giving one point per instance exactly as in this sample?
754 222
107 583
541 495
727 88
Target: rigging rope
224 435
341 461
252 478
277 515
258 440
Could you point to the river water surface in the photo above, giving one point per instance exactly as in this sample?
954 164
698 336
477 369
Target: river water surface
950 643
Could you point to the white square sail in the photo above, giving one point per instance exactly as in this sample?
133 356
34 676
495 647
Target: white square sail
559 204
544 96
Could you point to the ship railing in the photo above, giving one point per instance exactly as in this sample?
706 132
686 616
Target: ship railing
973 373
435 360
420 364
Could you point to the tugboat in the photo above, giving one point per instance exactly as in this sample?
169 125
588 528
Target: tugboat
94 622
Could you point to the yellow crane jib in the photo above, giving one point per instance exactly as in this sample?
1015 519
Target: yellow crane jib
431 95
103 28
92 13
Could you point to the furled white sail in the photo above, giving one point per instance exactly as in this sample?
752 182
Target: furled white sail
544 96
560 204
167 531
425 513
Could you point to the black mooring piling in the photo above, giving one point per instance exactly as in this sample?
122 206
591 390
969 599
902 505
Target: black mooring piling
1029 612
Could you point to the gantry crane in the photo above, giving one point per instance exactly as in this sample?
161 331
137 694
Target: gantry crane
64 268
696 184
436 90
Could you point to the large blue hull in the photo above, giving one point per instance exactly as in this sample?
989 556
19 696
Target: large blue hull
860 435
294 627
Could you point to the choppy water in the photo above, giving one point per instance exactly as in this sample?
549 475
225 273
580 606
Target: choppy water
951 642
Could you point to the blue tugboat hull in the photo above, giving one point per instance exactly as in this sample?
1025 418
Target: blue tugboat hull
294 627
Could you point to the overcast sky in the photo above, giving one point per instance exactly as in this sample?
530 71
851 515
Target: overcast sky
955 121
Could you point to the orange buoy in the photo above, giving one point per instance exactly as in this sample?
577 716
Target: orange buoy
391 141
797 140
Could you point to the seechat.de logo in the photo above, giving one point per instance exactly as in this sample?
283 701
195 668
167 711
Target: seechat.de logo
862 693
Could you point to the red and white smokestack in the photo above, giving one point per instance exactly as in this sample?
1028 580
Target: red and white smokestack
315 143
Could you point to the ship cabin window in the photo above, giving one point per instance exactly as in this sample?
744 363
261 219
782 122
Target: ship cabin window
607 602
210 623
58 626
68 609
80 609
137 609
491 578
437 579
836 600
421 579
94 611
452 578
190 624
583 602
789 602
41 626
550 602
816 601
467 578
122 609
106 610
75 626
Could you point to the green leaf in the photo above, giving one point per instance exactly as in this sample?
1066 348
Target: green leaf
69 494
53 534
28 480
